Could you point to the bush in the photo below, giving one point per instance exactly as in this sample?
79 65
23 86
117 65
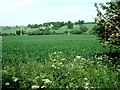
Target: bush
83 29
70 25
18 32
75 31
109 29
108 23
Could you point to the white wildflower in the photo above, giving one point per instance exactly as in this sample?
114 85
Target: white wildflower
58 68
83 59
43 86
86 87
67 87
46 81
98 62
85 79
74 60
60 63
37 77
86 84
60 52
35 87
63 59
54 60
82 66
53 66
7 83
15 79
54 53
117 35
78 57
100 58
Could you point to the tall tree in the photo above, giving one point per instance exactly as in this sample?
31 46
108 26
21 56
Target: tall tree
18 32
70 25
29 26
109 24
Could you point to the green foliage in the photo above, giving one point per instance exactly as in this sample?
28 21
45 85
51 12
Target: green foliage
40 32
70 25
18 32
55 62
56 25
80 22
83 28
57 72
62 29
33 25
23 32
94 30
109 24
29 26
76 31
46 24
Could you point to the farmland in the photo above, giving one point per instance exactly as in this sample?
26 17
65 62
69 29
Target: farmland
70 45
60 30
64 28
56 61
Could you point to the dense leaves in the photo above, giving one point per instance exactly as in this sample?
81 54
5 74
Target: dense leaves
108 29
109 24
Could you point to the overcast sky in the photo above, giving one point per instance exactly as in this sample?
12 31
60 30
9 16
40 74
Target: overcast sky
24 12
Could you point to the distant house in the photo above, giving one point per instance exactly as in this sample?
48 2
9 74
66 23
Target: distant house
51 26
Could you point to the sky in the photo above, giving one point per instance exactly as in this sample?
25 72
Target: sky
24 12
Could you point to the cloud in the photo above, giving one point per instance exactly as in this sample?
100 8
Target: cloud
16 5
38 11
23 3
79 1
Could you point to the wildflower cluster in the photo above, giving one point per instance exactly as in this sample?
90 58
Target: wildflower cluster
60 72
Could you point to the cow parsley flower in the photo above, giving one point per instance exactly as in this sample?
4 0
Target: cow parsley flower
46 81
54 53
35 87
78 57
63 59
86 84
7 83
85 79
53 66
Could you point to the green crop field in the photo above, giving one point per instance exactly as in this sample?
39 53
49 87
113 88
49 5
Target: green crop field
41 46
56 61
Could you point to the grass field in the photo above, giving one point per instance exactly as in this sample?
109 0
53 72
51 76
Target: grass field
72 45
64 28
56 61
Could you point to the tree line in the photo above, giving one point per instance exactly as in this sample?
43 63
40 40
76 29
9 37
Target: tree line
56 25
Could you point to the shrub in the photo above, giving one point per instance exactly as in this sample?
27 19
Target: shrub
109 24
18 32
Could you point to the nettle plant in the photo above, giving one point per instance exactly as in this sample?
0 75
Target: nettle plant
109 24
